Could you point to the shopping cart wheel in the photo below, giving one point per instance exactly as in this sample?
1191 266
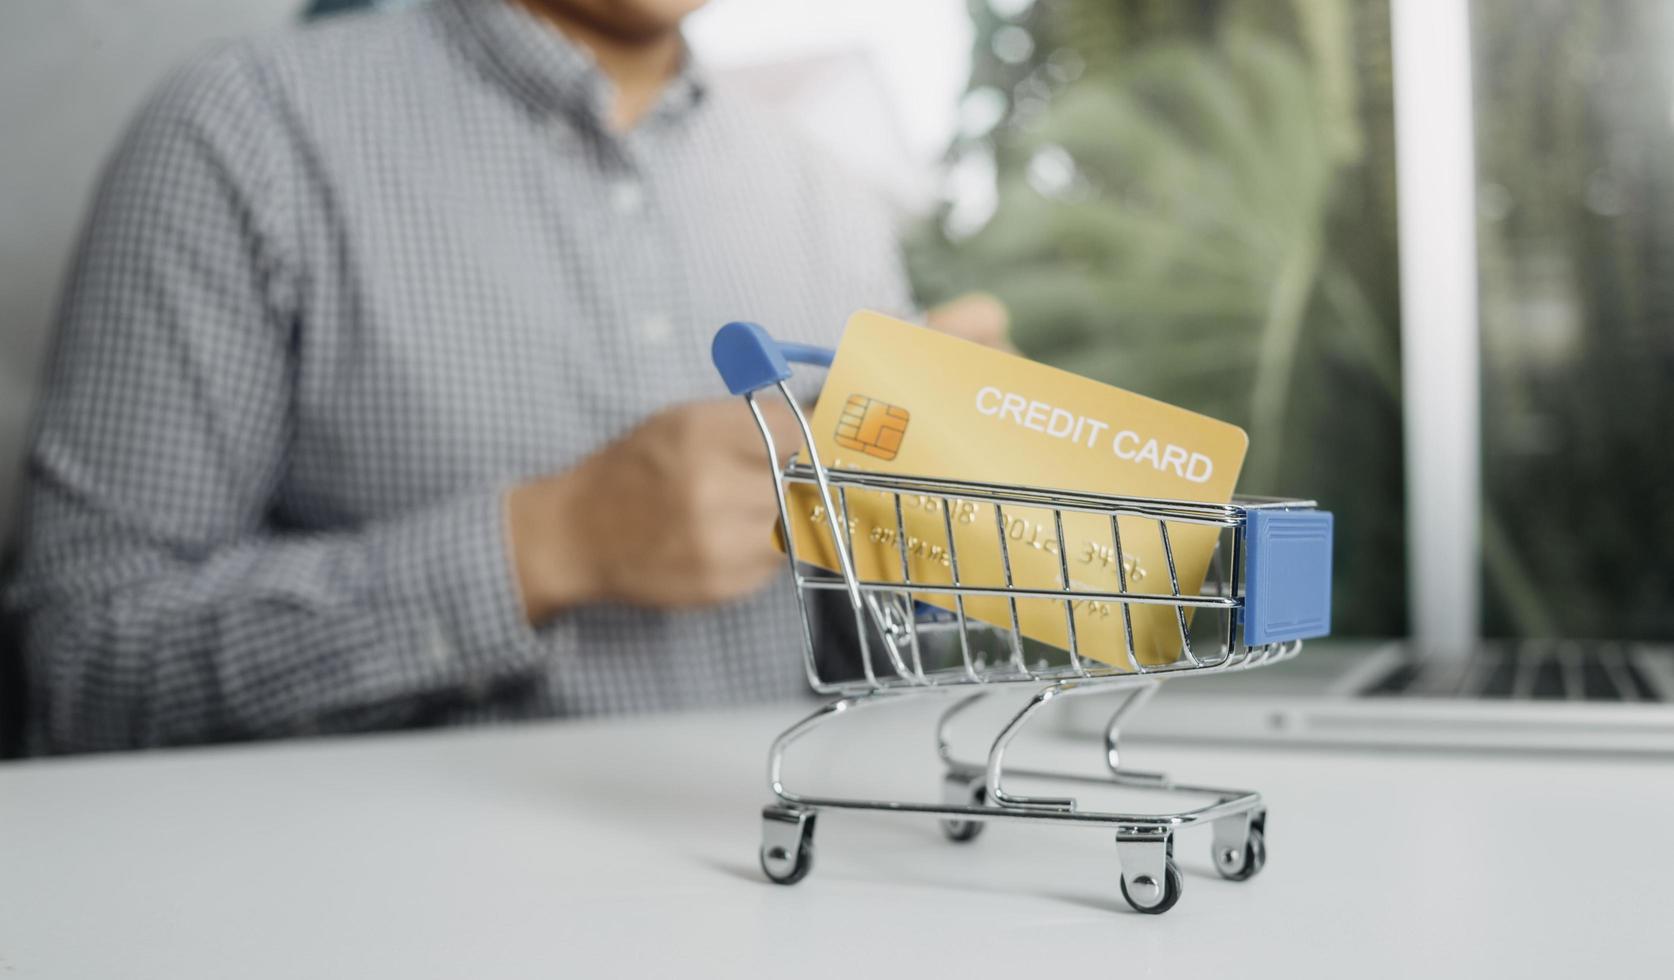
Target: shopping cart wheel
1241 860
962 790
787 844
1243 865
1170 890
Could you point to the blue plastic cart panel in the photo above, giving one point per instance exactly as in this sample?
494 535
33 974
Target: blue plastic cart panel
1287 588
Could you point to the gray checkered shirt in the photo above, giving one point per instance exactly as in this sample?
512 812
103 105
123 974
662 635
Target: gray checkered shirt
339 290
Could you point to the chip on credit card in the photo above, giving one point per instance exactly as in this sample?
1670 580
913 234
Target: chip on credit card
906 400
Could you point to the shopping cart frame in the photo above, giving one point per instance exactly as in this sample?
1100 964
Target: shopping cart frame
1269 592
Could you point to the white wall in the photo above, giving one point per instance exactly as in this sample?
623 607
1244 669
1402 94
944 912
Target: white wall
876 83
71 72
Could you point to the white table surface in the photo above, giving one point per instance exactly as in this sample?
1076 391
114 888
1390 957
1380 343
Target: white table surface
628 848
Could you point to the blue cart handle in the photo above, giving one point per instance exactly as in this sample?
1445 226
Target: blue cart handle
749 359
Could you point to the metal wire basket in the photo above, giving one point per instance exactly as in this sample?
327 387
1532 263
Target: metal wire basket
1266 590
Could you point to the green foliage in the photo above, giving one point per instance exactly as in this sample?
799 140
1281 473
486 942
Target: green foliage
1191 203
1576 157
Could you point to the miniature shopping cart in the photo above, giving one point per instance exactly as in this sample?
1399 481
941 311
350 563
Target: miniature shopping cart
1267 589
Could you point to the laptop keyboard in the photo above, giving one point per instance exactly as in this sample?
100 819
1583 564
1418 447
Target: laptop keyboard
1531 671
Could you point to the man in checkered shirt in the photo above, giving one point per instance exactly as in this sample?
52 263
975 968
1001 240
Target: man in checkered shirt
382 399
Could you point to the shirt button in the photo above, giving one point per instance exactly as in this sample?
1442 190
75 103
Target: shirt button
441 651
656 329
627 197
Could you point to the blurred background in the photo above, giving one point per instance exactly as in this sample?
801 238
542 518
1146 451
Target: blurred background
1196 201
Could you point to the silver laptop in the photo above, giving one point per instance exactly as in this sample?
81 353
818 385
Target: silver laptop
1544 696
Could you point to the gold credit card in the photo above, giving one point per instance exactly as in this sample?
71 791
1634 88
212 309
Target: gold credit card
905 400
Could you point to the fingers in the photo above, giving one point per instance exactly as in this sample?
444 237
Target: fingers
787 434
729 488
728 427
678 512
978 317
735 558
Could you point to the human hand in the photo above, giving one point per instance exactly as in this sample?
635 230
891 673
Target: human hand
677 513
978 317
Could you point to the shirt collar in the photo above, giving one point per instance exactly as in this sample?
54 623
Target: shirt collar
551 72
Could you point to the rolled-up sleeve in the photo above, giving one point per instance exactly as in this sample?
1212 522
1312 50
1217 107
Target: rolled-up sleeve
161 601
